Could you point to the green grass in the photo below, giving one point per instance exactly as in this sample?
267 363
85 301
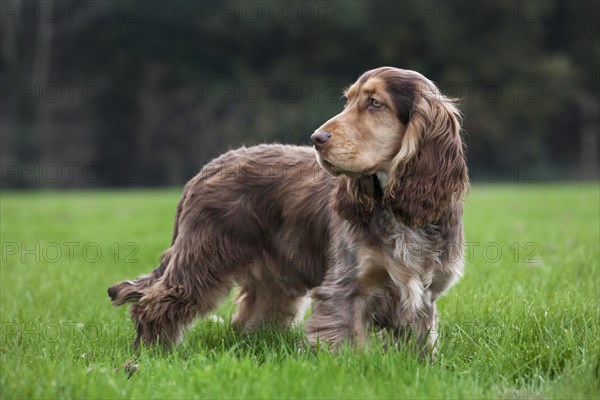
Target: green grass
512 328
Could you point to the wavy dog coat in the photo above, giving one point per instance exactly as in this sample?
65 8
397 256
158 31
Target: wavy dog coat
375 240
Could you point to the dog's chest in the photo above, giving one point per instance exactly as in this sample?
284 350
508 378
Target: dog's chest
396 271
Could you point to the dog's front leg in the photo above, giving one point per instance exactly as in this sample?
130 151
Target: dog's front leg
337 318
427 334
420 334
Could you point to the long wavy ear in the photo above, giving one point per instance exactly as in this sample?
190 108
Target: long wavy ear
354 199
430 170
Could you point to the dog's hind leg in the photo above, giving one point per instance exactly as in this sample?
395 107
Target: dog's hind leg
166 308
195 282
260 305
161 314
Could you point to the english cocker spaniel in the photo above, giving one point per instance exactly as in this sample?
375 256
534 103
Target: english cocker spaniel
375 241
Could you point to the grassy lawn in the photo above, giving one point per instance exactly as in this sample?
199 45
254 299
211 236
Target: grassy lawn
524 322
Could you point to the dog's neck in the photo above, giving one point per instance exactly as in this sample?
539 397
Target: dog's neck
379 184
382 177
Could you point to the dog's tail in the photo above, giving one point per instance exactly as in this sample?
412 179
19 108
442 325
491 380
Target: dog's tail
133 291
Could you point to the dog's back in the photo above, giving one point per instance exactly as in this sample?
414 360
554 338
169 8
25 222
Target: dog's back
257 217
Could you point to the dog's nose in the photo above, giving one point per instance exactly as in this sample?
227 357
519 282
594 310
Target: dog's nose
319 138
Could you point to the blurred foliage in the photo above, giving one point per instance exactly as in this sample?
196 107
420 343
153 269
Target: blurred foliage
157 89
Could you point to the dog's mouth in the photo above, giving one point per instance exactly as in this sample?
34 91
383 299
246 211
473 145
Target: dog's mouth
330 167
334 169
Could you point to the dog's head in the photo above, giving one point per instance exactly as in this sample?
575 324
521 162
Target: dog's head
397 126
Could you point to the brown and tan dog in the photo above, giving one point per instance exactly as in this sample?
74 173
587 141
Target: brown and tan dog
375 241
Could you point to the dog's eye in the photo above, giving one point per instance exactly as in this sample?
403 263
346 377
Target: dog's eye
374 103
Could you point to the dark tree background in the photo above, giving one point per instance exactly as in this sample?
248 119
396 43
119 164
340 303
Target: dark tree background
134 93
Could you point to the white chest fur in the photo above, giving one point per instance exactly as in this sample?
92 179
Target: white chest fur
401 271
